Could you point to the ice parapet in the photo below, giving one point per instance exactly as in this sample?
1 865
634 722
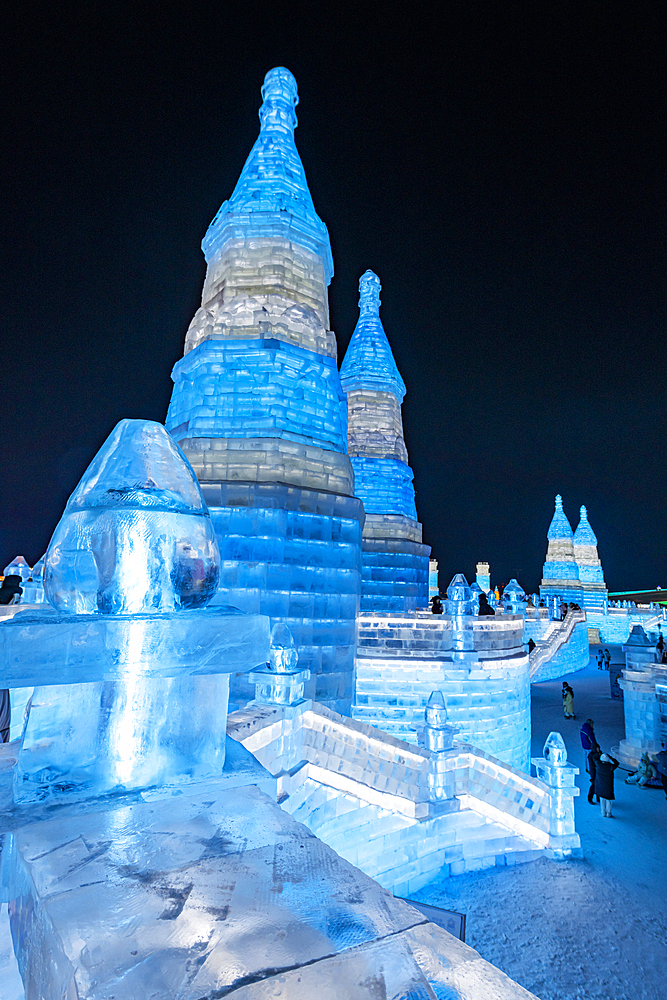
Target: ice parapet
136 535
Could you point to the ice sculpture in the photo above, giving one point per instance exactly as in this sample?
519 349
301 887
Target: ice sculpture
126 544
131 682
18 567
395 562
554 770
259 410
281 682
593 591
33 589
560 575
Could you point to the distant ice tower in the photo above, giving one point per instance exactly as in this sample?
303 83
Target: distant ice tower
560 575
395 563
259 410
593 589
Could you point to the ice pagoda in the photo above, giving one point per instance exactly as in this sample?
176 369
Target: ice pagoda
259 410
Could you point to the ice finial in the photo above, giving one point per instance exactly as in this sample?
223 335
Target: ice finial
436 710
369 294
555 751
368 363
584 535
136 535
280 97
560 526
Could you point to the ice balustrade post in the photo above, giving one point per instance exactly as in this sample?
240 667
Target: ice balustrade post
280 682
554 770
437 736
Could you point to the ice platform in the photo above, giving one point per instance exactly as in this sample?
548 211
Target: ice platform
217 894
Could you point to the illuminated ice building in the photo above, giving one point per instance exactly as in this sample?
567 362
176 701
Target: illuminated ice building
259 410
394 560
560 575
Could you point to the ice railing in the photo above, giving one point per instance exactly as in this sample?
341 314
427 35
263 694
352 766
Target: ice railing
359 760
547 648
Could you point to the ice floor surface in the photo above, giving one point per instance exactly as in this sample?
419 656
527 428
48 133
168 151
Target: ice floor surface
594 928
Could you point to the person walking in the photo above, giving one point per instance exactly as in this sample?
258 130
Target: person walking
593 760
588 740
568 701
604 782
600 660
607 659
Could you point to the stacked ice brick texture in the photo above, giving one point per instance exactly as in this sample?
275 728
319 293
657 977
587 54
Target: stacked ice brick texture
259 410
395 562
593 591
560 575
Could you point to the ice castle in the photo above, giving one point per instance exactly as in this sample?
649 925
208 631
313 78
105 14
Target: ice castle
395 563
259 410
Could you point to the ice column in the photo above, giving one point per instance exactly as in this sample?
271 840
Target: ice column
259 410
395 562
554 770
594 592
560 575
437 736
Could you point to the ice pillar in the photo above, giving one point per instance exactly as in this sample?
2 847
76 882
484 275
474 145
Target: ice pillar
395 562
554 770
259 410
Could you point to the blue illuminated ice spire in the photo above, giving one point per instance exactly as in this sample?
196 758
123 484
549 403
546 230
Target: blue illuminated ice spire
395 563
560 576
271 195
593 588
259 410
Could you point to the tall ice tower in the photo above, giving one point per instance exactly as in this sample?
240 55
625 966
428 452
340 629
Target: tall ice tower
395 563
560 575
593 591
259 410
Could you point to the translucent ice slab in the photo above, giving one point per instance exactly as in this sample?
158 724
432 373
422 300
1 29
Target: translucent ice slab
215 895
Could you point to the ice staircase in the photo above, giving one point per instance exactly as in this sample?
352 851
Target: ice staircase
365 794
552 657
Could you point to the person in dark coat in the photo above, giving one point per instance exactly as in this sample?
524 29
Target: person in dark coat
604 782
660 761
593 760
11 590
436 605
588 740
5 715
484 606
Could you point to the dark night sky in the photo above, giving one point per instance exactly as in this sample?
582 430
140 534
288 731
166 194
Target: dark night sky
501 168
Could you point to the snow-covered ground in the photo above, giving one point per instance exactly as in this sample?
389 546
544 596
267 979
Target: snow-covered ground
594 927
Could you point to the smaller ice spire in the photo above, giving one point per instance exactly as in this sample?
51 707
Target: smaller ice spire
560 526
280 97
584 535
369 362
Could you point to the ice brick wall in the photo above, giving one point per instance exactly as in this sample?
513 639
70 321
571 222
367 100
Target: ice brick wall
259 410
395 562
564 650
486 685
